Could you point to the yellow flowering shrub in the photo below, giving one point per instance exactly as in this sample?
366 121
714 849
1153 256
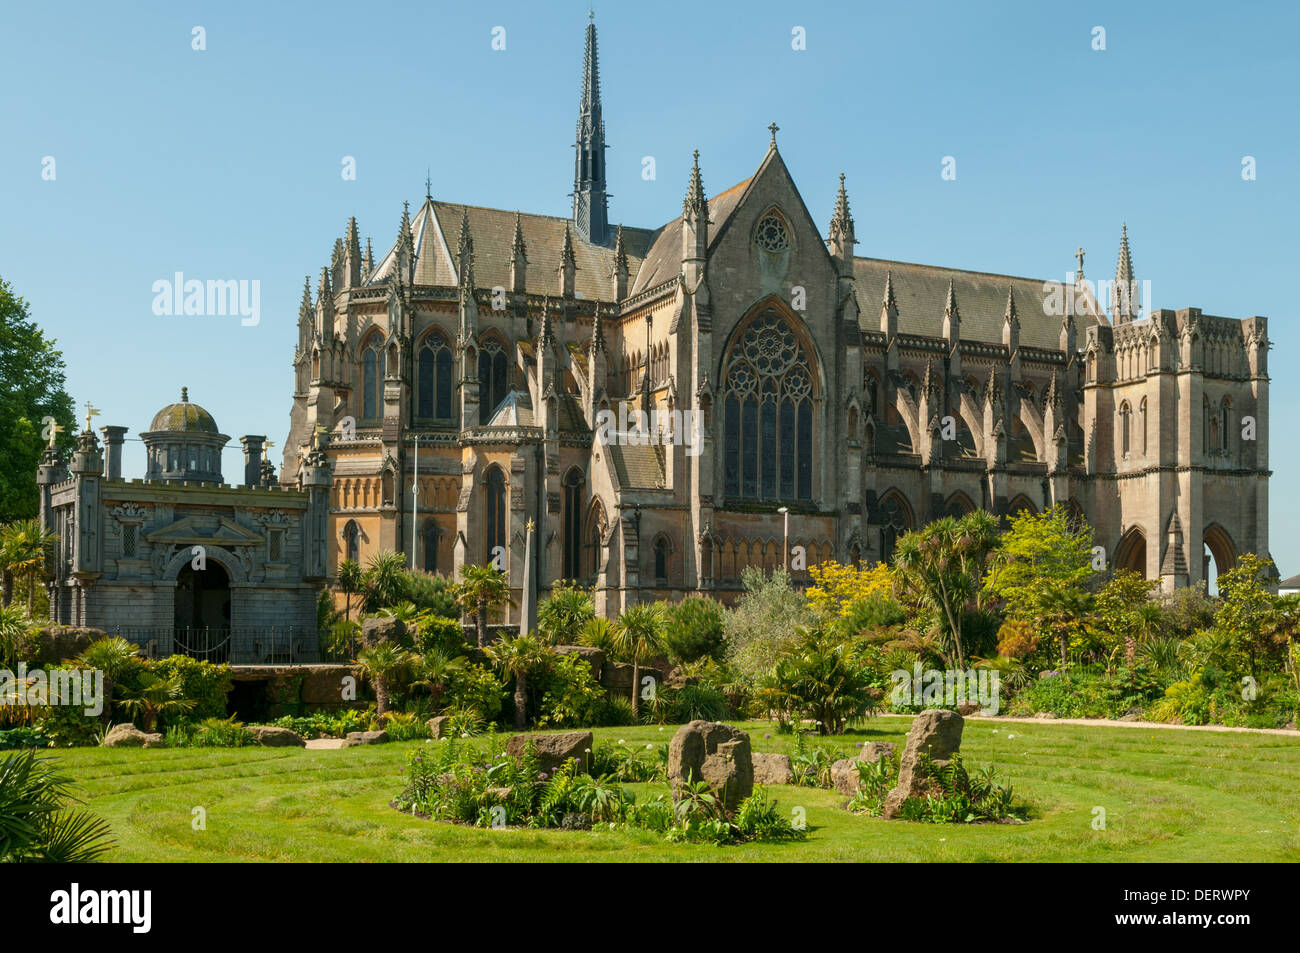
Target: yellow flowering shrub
836 586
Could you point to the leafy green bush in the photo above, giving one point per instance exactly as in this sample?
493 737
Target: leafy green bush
475 688
695 629
35 821
204 683
956 796
209 733
24 737
570 696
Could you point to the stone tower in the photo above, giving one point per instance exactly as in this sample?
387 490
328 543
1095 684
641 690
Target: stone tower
590 203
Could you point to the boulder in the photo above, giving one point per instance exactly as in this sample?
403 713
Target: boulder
771 768
323 685
366 738
845 777
935 732
378 629
616 678
1045 715
554 750
127 735
716 753
270 736
439 727
55 644
595 657
874 751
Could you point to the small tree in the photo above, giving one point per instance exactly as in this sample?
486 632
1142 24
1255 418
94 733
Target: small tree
1247 614
518 658
154 697
349 583
482 589
384 581
383 664
24 547
560 618
639 636
941 566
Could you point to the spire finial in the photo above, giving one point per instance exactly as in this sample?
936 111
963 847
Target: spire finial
185 395
1078 254
428 184
773 129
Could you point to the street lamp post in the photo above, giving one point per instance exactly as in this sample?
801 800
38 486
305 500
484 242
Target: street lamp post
415 499
785 538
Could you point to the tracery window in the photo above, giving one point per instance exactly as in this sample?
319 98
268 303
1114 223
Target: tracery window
768 419
433 383
372 381
573 507
495 514
771 235
493 379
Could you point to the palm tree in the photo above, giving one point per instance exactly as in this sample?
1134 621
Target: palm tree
599 634
23 550
15 636
349 582
481 590
382 664
639 636
35 824
1064 608
155 697
561 617
384 581
517 658
434 669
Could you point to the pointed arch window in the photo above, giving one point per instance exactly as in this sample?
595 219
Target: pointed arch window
1125 427
433 379
372 380
493 379
768 412
1142 423
431 535
352 541
494 522
1225 422
661 559
573 510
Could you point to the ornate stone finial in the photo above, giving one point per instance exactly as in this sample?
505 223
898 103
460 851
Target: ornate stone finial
428 185
950 305
695 203
773 129
1010 317
889 301
1078 254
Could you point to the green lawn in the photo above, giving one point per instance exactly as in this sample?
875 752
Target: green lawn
1168 795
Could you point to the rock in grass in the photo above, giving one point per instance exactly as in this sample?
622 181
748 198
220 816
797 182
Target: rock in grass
771 768
716 753
128 735
270 736
935 732
365 738
554 750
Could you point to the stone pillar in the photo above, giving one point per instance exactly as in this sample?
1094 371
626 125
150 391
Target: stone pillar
113 439
252 459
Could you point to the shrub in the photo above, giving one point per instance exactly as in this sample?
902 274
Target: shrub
696 629
209 733
204 683
570 697
956 796
24 737
35 822
475 688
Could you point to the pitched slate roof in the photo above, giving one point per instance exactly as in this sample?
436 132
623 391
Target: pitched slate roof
435 236
663 261
516 410
921 291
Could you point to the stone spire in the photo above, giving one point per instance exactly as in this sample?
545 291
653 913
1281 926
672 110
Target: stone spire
590 202
518 259
305 308
951 316
622 270
598 331
568 264
367 262
404 251
841 239
465 254
324 303
351 255
889 307
695 216
546 336
1011 323
1125 302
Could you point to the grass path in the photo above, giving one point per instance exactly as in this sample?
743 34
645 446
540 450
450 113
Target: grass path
1168 796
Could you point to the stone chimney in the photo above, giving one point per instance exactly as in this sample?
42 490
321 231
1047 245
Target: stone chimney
252 459
113 440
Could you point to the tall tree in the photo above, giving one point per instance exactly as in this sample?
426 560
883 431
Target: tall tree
32 387
941 566
23 550
519 657
481 590
639 636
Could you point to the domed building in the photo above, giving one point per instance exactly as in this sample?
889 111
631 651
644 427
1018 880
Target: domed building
181 561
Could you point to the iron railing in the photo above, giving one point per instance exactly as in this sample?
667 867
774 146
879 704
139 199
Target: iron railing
262 645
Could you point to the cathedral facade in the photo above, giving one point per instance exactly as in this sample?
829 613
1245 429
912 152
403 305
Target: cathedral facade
484 392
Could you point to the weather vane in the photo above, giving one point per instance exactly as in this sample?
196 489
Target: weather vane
91 411
56 428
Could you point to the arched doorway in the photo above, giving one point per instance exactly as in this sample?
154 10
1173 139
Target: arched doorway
201 612
1131 553
1218 548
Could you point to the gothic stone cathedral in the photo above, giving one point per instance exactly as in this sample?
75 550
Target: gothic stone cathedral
866 396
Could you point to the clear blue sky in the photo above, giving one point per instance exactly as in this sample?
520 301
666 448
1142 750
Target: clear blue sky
226 163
